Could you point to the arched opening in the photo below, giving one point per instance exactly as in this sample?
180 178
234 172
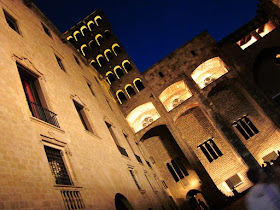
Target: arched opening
71 39
98 20
142 116
84 30
138 84
121 96
99 39
116 49
92 44
77 35
196 200
91 25
129 90
119 72
209 71
101 60
84 50
122 203
107 34
126 65
94 64
110 77
174 95
267 71
108 54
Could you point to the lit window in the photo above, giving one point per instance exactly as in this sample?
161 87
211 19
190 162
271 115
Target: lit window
246 127
77 60
11 22
59 61
234 181
210 150
271 156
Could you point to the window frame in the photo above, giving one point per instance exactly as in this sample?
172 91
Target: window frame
80 109
60 63
10 18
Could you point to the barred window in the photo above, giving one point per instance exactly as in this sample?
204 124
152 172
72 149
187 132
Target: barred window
245 126
72 199
210 150
57 166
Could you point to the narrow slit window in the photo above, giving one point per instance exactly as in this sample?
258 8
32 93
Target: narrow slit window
59 61
245 127
210 150
11 22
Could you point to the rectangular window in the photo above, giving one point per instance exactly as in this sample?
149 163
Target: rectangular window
134 179
164 184
59 61
57 166
35 100
89 86
210 150
234 181
147 177
82 115
72 199
47 31
245 127
77 60
11 21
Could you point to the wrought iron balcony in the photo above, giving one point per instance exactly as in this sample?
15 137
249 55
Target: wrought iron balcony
138 158
122 151
43 114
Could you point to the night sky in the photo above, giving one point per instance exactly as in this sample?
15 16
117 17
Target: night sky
151 29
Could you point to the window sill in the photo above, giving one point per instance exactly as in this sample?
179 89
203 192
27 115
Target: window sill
67 187
34 119
92 134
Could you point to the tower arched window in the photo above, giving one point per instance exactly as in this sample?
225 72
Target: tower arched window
84 30
130 91
98 20
84 50
101 60
138 84
91 25
119 72
99 39
94 64
121 96
116 49
110 77
92 44
109 55
71 39
127 66
107 34
77 35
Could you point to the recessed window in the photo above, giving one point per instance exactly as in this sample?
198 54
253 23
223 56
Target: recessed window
89 86
245 127
160 74
164 184
193 53
77 60
177 169
59 61
210 150
57 166
72 199
83 117
47 31
11 22
134 179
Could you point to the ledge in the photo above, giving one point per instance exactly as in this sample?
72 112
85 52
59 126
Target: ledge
34 119
67 187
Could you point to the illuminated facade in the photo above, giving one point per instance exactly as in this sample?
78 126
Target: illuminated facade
83 128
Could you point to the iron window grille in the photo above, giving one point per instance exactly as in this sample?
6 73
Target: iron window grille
245 127
72 199
210 150
57 166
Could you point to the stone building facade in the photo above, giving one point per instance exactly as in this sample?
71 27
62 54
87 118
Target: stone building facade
83 128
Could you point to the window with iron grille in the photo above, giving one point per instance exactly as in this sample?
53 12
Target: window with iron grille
164 184
245 126
57 166
210 150
11 21
134 179
72 199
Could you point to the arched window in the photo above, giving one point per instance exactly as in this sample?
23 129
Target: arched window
118 71
77 35
101 60
107 34
108 54
94 64
92 44
116 49
129 90
126 65
91 25
138 84
84 30
110 77
84 50
99 39
71 39
98 20
121 96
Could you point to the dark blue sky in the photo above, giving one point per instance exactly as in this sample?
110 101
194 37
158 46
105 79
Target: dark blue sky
151 29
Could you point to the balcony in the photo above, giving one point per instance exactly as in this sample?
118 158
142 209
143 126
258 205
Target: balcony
122 151
43 114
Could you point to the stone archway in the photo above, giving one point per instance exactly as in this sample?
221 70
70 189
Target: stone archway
122 203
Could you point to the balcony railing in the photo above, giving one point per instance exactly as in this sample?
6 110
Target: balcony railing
43 114
138 158
122 151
